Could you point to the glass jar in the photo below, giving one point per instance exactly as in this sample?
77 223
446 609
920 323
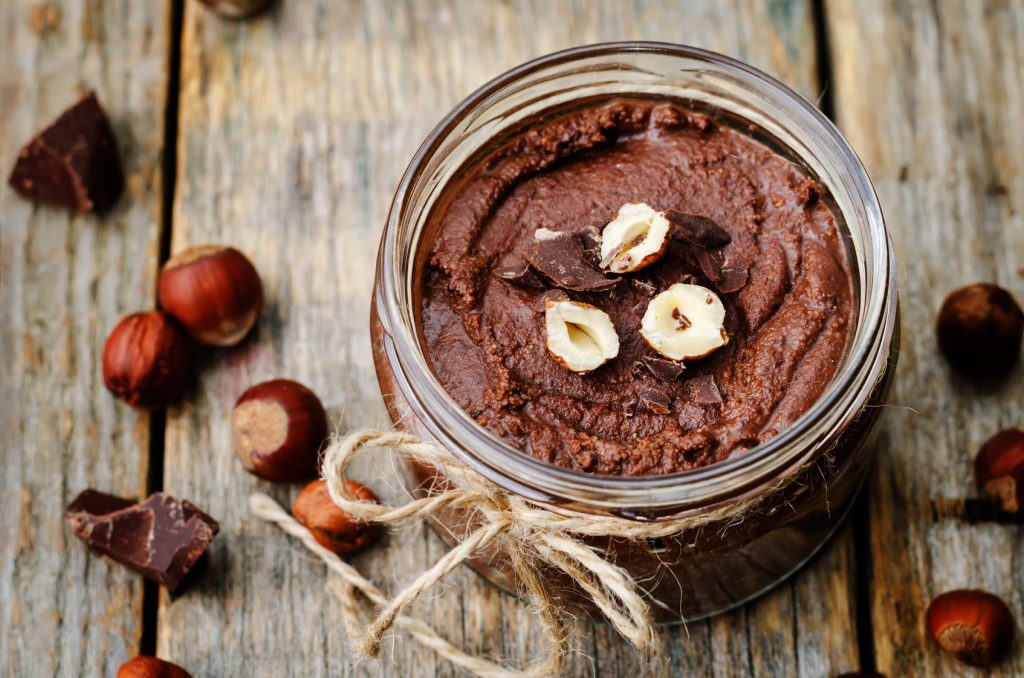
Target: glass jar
697 572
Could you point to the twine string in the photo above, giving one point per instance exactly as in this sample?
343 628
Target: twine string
531 537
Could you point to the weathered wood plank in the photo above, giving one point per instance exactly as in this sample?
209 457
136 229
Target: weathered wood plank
294 131
64 283
930 95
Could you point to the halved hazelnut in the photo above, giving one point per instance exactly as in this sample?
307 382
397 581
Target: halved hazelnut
685 322
999 470
634 239
975 626
580 337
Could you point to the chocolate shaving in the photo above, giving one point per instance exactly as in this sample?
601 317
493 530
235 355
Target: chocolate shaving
559 257
656 401
711 263
734 277
665 370
703 390
699 231
161 538
524 277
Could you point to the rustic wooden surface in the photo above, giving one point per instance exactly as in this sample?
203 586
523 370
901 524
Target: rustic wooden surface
292 132
931 97
64 283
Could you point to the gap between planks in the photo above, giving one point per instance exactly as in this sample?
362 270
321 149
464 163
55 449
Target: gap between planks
169 172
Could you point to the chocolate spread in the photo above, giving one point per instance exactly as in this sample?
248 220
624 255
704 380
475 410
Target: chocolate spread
788 321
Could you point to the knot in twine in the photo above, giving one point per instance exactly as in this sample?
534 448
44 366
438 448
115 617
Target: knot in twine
530 535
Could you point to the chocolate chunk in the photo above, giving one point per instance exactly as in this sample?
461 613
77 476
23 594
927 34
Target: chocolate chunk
665 370
161 538
73 163
703 390
697 230
591 236
524 277
734 277
656 401
711 263
559 257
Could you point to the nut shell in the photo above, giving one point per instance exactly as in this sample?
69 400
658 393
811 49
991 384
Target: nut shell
279 427
151 667
331 527
973 625
146 360
980 328
214 292
999 470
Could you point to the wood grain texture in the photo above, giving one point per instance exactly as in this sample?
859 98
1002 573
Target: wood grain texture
64 282
294 131
931 95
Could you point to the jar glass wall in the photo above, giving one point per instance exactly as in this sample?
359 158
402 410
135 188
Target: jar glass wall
828 448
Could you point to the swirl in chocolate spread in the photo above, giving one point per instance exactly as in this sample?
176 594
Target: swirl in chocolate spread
787 291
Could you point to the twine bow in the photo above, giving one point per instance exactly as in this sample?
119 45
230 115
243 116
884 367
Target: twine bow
531 536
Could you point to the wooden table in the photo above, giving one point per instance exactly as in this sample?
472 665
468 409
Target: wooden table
285 136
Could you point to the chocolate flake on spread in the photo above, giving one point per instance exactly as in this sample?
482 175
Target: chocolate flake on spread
161 538
665 370
524 277
656 401
696 230
559 257
703 390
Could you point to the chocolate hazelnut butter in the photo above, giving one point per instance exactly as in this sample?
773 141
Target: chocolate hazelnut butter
781 271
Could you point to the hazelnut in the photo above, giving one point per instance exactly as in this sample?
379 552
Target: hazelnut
636 238
279 427
146 360
973 625
999 470
980 328
685 322
332 527
151 667
214 292
580 337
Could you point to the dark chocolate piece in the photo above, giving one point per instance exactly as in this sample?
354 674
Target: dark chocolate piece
734 277
699 231
656 401
703 390
73 163
711 263
665 370
161 538
524 277
559 257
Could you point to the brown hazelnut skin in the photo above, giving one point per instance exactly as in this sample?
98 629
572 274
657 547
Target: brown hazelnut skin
279 427
151 667
980 328
146 360
999 470
214 292
331 527
973 625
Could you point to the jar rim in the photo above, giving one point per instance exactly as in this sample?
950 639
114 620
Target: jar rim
514 469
